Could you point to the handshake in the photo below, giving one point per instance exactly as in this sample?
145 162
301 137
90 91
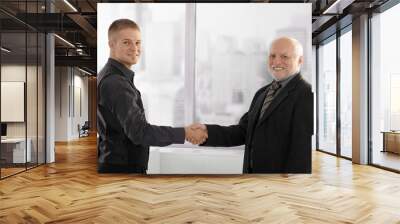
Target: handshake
196 133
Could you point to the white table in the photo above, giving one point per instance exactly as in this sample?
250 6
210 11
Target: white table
18 149
195 160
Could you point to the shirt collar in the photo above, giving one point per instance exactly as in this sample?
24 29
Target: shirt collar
284 82
125 71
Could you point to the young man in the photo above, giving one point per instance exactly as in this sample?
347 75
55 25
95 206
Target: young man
124 134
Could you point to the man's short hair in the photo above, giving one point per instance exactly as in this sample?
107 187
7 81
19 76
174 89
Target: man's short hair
296 44
121 24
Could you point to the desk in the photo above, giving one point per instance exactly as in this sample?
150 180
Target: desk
13 150
196 160
391 141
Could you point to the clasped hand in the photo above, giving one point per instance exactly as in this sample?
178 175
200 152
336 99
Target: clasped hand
196 133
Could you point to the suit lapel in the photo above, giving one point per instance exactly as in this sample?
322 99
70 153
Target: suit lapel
279 98
254 113
274 104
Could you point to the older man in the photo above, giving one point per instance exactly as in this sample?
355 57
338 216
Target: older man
278 127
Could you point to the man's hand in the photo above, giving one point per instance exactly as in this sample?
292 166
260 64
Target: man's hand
196 133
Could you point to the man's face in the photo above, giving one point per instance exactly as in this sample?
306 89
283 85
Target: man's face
283 60
125 46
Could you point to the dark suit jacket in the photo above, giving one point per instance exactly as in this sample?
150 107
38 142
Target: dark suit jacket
124 133
280 142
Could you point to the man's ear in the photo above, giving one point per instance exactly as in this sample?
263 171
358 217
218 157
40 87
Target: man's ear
111 44
301 60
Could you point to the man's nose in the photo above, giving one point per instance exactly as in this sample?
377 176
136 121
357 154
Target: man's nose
132 47
277 61
273 61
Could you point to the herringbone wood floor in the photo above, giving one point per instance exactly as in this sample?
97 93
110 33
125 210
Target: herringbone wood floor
71 191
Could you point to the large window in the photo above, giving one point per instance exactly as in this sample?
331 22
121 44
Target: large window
385 87
231 59
346 94
327 97
335 137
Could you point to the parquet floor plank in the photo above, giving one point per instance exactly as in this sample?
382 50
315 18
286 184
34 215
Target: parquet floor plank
71 191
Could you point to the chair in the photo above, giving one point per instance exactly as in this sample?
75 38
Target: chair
84 130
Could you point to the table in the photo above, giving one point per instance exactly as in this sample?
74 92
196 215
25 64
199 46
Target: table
195 160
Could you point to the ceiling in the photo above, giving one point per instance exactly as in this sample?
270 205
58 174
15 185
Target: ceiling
76 22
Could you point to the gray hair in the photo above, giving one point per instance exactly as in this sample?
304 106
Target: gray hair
297 45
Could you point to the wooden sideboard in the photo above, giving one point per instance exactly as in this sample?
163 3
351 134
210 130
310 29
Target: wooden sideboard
391 141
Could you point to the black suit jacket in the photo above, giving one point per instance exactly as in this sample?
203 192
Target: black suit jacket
124 133
280 142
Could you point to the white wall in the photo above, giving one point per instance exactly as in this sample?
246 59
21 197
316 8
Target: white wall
80 84
70 83
61 103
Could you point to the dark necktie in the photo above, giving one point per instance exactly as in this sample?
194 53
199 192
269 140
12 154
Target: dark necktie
269 97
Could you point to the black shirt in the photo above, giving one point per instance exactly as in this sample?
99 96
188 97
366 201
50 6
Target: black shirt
124 133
